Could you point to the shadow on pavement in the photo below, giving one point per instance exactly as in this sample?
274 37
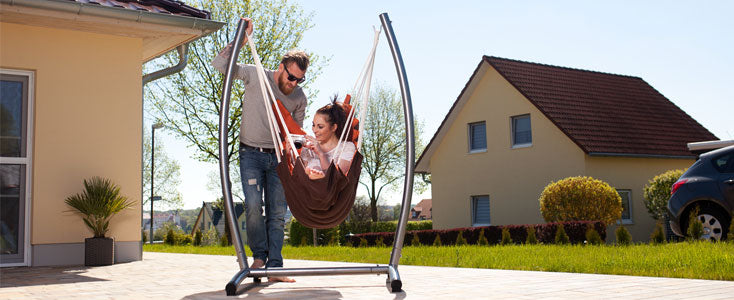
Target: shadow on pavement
30 276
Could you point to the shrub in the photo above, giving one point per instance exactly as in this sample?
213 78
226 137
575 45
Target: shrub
304 241
657 193
695 227
437 241
531 238
482 238
485 235
380 242
170 239
592 237
506 239
223 241
297 232
730 235
623 236
210 237
363 242
415 241
561 236
580 199
197 238
658 235
460 239
184 239
145 236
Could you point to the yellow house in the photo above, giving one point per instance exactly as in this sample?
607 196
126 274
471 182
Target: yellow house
517 126
71 109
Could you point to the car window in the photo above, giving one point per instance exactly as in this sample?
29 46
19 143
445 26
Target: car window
724 163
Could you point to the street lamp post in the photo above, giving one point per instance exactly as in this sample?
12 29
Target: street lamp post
152 173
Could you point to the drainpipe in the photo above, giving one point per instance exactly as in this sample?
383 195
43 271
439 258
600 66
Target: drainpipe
183 56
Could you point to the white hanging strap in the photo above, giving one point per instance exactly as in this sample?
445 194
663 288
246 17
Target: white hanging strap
364 81
268 99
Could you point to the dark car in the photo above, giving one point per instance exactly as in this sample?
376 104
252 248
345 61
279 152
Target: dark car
709 185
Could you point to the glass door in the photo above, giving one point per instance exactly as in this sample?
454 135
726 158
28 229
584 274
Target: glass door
15 161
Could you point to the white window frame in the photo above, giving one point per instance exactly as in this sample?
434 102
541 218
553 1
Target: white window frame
473 205
512 132
469 137
629 205
28 162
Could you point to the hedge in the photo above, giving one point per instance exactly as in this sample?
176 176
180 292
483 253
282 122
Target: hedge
297 232
545 233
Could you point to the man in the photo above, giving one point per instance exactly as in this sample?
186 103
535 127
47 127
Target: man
257 155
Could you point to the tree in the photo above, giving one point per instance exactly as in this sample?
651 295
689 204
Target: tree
383 146
360 210
188 103
657 193
167 176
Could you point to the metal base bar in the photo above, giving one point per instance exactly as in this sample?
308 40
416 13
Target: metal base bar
280 272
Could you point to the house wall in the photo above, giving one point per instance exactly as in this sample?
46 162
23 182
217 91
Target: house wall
513 178
633 174
87 123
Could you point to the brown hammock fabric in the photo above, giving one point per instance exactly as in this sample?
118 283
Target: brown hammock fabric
321 203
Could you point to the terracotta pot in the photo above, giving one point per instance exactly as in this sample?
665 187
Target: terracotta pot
99 251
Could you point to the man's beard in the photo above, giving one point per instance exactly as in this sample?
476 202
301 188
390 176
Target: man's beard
284 88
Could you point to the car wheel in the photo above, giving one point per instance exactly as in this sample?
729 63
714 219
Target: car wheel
715 224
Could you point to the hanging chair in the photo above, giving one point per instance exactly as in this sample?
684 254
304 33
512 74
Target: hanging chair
325 202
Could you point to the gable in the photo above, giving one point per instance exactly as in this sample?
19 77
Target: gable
605 114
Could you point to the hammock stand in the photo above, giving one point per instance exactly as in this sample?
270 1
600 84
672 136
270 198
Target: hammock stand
393 282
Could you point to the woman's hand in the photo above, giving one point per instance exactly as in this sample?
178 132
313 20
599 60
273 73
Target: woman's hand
313 144
314 174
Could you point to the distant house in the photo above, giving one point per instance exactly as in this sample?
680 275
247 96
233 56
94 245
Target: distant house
210 216
71 75
160 219
421 211
517 126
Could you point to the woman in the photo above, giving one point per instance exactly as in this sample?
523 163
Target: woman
328 125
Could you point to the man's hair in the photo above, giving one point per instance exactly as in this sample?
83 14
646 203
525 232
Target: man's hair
296 56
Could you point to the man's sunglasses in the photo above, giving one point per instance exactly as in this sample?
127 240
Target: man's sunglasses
294 78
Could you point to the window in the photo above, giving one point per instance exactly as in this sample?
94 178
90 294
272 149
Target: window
243 225
16 105
480 210
626 208
521 134
721 162
477 137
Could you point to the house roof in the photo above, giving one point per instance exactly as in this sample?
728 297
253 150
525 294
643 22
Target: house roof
162 24
604 114
170 7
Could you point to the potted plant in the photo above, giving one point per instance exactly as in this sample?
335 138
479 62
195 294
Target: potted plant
99 201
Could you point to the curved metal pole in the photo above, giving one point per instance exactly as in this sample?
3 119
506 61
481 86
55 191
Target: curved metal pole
223 158
393 282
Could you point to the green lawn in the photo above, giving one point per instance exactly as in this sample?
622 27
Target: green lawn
700 260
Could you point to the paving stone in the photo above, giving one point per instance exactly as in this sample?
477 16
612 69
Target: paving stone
192 276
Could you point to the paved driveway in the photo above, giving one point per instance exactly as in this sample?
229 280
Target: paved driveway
191 276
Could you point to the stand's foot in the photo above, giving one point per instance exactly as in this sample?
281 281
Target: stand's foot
394 286
231 287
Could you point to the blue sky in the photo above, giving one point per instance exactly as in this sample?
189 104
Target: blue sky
683 49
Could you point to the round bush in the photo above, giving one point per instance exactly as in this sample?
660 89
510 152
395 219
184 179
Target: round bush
580 199
657 193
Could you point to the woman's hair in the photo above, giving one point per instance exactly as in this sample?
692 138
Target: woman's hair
335 114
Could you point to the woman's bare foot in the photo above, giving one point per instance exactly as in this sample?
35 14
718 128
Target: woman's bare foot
280 279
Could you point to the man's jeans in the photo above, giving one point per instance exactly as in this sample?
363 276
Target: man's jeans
264 232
